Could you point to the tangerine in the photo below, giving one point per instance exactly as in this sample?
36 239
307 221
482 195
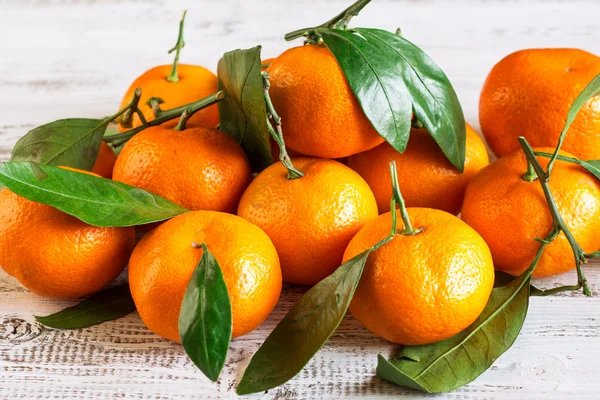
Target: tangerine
510 213
164 260
529 93
310 219
421 288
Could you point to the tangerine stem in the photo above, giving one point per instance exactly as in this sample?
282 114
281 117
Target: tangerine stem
557 220
394 217
340 21
123 110
181 125
166 115
397 195
529 175
593 255
173 76
559 157
154 103
285 159
549 292
131 108
188 112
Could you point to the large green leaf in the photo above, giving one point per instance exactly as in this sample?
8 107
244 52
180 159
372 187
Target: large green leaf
97 201
454 362
72 142
205 319
304 329
103 306
243 112
392 78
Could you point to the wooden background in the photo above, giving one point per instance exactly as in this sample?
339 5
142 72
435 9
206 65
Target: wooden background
76 58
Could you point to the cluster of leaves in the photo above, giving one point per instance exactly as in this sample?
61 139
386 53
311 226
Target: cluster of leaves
394 81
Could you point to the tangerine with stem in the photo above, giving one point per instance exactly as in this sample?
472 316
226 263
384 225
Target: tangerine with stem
172 86
431 281
197 167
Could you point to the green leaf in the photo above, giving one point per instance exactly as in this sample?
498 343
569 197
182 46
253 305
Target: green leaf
591 90
103 306
96 201
205 319
502 278
454 362
243 112
304 329
391 78
72 142
592 166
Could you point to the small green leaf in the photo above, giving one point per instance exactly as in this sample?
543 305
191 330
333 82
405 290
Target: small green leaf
103 306
591 90
96 201
593 166
392 78
304 329
454 362
72 142
243 112
205 319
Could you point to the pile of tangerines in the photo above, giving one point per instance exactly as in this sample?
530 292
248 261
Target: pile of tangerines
431 281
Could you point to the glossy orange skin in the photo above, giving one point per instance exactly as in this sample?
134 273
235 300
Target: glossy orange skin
424 288
529 92
320 115
426 177
510 213
199 168
105 162
195 83
164 260
54 254
311 219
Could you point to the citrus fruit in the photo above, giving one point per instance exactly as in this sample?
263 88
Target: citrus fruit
54 254
529 93
425 175
510 213
195 82
310 219
164 260
105 161
422 288
320 115
198 168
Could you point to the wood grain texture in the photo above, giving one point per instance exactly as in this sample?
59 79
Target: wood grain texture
76 58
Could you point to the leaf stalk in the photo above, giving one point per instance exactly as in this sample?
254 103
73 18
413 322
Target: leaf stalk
340 21
277 135
166 115
173 76
557 220
397 198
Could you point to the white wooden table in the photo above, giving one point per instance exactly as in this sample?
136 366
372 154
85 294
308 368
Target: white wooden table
76 58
